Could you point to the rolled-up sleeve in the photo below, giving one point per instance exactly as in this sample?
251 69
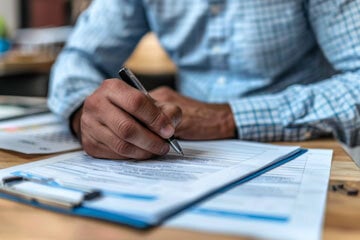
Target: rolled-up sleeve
104 37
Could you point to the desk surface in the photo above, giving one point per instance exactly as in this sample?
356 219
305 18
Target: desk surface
342 219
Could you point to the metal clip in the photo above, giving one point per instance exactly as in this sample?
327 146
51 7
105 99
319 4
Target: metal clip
39 191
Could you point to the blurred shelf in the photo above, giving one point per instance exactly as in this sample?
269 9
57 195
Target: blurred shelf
15 62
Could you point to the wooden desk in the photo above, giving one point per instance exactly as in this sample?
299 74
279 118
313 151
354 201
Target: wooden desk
342 220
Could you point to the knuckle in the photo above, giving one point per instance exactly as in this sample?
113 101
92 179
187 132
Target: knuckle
165 90
88 103
110 84
123 148
157 121
156 147
91 103
85 122
163 94
126 129
137 101
174 110
88 146
176 115
178 112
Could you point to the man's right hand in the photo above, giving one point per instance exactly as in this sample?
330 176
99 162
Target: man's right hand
119 122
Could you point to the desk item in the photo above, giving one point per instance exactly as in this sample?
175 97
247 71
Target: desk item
139 193
130 79
343 188
4 42
12 107
37 134
45 40
8 112
354 153
4 45
287 202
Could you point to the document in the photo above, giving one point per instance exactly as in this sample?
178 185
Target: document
146 192
38 134
15 106
287 202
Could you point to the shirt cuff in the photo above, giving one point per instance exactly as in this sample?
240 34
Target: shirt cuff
262 118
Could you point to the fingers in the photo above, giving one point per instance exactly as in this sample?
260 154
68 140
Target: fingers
111 147
111 128
96 149
140 106
117 127
173 112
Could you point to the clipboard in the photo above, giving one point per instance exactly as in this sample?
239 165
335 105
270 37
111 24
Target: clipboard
15 188
69 199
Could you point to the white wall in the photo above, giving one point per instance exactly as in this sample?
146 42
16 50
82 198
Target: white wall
9 9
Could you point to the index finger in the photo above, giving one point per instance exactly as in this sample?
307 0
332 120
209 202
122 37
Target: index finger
140 106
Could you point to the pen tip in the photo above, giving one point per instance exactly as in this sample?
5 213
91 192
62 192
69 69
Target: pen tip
176 147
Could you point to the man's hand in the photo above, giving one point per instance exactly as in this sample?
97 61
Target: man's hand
118 122
200 121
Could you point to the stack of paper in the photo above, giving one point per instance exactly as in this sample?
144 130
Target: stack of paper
39 134
145 193
287 202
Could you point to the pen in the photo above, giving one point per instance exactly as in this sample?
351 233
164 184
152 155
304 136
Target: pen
130 79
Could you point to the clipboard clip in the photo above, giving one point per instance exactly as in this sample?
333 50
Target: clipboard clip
40 191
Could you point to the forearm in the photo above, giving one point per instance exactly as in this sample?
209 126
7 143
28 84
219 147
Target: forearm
73 78
303 112
102 40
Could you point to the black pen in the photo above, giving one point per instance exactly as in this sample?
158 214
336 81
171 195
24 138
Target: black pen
127 76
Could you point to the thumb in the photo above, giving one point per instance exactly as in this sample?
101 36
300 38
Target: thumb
173 112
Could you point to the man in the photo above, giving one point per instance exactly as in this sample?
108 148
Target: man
263 70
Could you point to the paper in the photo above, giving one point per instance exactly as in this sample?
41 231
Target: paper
16 106
148 191
287 202
40 134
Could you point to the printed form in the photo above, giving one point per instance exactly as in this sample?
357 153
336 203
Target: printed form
287 202
149 191
40 134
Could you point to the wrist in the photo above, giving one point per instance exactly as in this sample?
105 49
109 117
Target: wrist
227 126
75 123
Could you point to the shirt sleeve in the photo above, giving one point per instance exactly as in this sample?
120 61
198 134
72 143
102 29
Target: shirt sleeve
307 111
104 37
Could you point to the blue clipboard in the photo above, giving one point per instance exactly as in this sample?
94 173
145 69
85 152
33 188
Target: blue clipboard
10 190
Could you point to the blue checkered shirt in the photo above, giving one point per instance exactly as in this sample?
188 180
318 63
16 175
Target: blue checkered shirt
290 69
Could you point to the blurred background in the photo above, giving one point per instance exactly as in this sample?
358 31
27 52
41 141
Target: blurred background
32 33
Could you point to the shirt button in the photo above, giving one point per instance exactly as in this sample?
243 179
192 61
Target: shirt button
221 80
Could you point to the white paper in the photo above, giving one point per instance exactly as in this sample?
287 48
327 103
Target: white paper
40 134
40 190
16 106
285 203
9 111
150 190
